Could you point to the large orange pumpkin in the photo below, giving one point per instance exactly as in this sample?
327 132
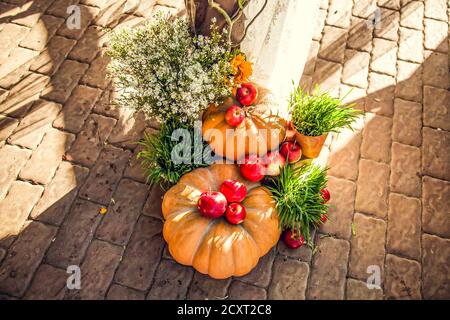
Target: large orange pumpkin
261 131
214 246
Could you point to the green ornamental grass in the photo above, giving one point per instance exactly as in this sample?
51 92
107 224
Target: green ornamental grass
157 159
297 192
320 113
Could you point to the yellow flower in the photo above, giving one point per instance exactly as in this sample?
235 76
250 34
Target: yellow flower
102 210
241 68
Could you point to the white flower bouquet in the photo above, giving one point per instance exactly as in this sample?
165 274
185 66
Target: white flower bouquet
168 73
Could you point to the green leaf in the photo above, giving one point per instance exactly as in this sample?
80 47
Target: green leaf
320 113
353 229
298 197
156 155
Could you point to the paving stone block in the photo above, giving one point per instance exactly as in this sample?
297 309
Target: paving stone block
97 271
87 14
105 175
91 140
410 46
436 34
171 281
333 44
341 208
142 256
118 292
405 170
384 57
74 235
409 81
96 75
89 45
435 267
356 68
16 206
64 81
328 282
436 9
50 59
60 193
358 290
77 108
24 257
435 70
289 280
122 215
242 291
436 206
402 278
407 122
42 32
260 275
404 226
12 160
36 123
49 283
339 13
376 141
368 246
372 188
388 26
360 35
205 288
412 15
435 155
380 98
51 150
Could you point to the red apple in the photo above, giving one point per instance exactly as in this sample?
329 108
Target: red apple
233 190
274 162
212 204
235 213
292 240
325 195
291 151
246 94
290 132
234 115
253 168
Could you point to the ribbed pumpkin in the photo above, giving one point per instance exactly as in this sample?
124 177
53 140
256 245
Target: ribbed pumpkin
261 131
214 246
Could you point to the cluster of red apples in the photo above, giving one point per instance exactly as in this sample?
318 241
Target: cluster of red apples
246 94
215 204
254 168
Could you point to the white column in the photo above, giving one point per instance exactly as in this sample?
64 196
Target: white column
278 43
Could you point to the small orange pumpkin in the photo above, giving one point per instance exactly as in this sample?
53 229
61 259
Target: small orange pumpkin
261 131
214 246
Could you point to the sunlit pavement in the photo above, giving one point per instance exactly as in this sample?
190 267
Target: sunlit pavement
65 153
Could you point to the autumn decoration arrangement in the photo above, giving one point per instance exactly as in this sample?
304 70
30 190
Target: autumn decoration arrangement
237 175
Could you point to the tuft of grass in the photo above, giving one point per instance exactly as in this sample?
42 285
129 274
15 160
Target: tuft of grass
319 113
157 155
298 197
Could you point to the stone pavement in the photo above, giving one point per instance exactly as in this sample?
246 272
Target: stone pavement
65 153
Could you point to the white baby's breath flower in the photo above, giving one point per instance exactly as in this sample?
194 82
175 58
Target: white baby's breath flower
166 72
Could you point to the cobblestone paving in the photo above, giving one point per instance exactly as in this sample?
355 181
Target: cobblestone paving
65 153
